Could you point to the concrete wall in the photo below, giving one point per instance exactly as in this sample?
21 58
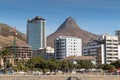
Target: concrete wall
59 77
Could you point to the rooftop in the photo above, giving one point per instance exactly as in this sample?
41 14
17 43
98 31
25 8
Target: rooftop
80 58
36 18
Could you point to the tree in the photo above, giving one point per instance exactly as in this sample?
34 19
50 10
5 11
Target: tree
0 66
100 66
43 65
57 64
20 66
116 64
64 65
85 64
108 67
8 65
71 66
5 53
33 62
52 65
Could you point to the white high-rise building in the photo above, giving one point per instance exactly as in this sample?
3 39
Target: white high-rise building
95 48
111 48
36 33
106 49
118 34
67 46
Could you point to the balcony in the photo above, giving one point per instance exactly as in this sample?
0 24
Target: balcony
108 56
112 59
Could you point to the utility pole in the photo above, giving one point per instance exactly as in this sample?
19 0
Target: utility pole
14 41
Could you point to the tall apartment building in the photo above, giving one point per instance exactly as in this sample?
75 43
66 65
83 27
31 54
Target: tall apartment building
36 33
118 34
106 49
111 48
67 46
95 48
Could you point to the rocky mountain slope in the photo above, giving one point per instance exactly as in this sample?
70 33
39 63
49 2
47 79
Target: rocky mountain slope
6 36
70 28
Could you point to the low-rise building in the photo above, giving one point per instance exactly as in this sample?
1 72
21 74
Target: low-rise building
46 53
21 52
74 59
18 53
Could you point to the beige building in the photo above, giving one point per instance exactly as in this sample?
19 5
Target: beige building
74 59
46 53
21 52
9 59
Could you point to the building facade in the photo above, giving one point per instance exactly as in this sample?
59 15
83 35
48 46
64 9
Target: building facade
106 49
111 46
21 52
67 46
36 33
96 49
45 53
118 34
74 59
18 53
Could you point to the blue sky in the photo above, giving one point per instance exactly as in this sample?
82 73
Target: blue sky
96 16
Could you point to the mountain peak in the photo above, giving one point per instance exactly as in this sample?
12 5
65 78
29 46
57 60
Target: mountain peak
70 28
70 19
69 22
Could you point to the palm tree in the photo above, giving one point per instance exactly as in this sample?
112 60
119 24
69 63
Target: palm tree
4 54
